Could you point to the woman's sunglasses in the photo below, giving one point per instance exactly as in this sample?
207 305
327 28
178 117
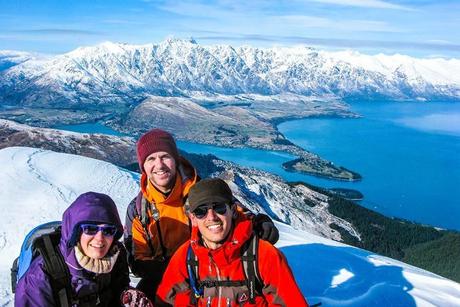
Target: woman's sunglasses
202 210
91 229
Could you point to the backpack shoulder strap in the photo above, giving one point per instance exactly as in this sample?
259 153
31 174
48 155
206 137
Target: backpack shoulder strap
55 266
192 270
249 259
146 206
14 274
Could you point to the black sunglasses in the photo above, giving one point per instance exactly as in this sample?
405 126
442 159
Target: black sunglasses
92 229
202 210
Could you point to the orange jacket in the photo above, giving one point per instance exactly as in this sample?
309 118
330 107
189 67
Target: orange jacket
224 263
173 220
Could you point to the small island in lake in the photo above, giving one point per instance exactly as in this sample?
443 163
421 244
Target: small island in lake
347 193
322 168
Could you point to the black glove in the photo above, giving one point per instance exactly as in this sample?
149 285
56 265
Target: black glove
135 298
265 228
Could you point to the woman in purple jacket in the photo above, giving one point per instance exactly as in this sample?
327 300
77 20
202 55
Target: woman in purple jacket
96 260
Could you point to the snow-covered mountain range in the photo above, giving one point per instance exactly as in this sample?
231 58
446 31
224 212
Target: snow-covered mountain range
38 185
125 74
10 58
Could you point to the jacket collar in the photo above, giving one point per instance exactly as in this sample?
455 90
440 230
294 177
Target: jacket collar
152 194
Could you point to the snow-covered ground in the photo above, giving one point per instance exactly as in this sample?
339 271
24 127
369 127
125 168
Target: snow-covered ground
37 185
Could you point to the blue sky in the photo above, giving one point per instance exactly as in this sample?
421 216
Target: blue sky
422 28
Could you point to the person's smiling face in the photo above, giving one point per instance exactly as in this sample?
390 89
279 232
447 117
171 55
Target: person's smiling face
160 168
96 246
214 227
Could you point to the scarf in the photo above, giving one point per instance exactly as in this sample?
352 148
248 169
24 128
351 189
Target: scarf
102 265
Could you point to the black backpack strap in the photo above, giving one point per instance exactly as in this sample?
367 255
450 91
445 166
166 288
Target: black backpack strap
192 270
251 269
145 220
182 173
14 274
56 267
132 213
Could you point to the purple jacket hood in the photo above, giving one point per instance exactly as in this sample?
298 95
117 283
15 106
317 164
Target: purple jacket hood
90 207
34 288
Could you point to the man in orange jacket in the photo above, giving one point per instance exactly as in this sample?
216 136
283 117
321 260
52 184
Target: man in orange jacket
156 220
214 268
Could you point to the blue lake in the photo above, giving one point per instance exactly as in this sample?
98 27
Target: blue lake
407 153
89 128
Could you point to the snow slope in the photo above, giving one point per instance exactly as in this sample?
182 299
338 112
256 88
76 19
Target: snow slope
37 185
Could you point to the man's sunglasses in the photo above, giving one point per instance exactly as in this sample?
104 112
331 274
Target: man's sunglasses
92 229
202 210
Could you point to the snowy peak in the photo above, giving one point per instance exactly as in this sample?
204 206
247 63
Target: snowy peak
178 42
112 72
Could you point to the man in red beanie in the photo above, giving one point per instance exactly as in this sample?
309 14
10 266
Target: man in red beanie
156 220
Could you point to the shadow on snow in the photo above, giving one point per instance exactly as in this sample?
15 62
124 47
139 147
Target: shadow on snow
316 265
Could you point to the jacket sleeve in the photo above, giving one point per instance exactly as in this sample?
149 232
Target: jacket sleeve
128 231
135 240
280 287
174 289
34 288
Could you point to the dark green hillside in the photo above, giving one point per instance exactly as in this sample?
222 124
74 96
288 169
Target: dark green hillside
440 256
435 250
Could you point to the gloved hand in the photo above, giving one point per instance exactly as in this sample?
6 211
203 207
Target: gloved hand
265 228
135 298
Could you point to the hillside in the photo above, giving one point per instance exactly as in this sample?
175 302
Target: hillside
327 271
299 205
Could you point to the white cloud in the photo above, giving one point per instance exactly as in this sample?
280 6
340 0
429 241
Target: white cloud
367 3
347 25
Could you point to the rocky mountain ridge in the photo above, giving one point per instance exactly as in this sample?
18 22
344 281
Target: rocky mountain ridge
124 74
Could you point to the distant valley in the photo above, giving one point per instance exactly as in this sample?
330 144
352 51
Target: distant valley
219 95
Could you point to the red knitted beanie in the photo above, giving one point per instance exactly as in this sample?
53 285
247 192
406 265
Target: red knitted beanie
155 140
